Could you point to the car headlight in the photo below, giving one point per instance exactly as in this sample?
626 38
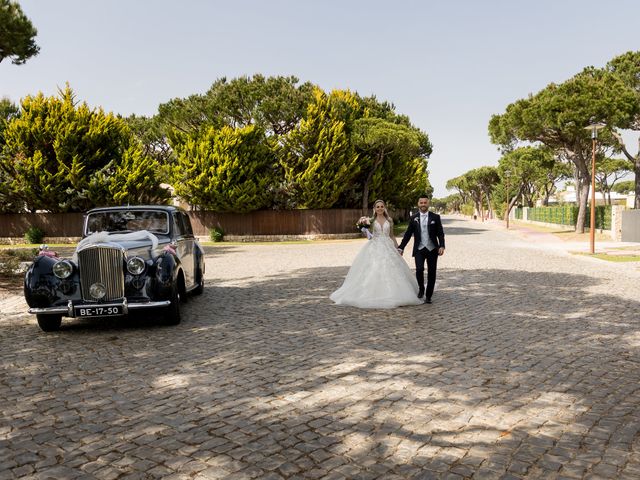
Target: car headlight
63 269
97 291
135 265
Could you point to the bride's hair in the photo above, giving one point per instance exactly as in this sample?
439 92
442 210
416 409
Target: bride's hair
385 213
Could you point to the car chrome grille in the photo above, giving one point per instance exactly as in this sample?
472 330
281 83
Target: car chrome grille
104 265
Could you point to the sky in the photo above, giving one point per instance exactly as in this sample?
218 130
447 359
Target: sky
448 65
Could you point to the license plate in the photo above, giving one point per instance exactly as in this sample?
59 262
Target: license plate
99 311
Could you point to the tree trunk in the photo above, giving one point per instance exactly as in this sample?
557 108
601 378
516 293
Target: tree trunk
576 177
582 175
489 209
367 182
512 202
582 207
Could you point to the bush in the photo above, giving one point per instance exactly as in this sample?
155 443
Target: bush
10 260
34 235
467 210
216 234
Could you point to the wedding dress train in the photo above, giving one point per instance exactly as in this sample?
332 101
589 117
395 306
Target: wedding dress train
379 277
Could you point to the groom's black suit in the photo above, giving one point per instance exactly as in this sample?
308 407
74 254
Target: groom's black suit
420 255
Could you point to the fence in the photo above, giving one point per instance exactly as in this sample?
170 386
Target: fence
263 222
567 215
53 224
518 213
608 218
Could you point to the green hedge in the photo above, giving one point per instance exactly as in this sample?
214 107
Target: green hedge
518 213
568 215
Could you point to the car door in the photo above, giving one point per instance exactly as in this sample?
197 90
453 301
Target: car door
185 246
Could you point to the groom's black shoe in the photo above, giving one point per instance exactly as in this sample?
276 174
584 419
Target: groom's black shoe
427 300
420 292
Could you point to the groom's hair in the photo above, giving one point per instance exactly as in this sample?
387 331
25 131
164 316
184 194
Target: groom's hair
424 195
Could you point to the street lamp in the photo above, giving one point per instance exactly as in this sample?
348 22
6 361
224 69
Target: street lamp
594 127
507 174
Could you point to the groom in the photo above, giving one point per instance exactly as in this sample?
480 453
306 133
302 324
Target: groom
428 245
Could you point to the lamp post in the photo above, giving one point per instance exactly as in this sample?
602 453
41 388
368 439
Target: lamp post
594 127
507 174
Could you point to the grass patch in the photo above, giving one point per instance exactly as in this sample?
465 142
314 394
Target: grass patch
16 246
624 248
611 258
284 242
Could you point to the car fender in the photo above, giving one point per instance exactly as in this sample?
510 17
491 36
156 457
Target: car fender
200 258
168 270
43 289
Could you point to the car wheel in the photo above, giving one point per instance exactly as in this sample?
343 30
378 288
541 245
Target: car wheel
200 281
172 312
49 323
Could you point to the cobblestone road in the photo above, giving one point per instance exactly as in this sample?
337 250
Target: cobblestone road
527 365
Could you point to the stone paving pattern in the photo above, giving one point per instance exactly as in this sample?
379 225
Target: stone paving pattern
527 365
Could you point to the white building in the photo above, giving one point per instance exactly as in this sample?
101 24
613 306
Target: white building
569 196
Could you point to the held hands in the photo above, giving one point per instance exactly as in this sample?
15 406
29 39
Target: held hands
441 251
400 251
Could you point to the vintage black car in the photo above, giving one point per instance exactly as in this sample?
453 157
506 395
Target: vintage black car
129 259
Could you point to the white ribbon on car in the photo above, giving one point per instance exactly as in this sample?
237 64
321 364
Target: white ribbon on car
109 237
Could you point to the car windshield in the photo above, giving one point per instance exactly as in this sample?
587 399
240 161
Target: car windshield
128 221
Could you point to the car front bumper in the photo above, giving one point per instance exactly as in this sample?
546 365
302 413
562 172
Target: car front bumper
71 308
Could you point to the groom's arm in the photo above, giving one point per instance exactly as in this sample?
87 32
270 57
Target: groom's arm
406 236
440 234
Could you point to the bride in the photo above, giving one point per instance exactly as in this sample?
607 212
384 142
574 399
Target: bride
379 277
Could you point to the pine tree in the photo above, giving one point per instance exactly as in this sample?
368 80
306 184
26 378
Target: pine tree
62 157
318 160
226 169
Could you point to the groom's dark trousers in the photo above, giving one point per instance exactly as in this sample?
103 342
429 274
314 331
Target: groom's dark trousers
422 255
431 258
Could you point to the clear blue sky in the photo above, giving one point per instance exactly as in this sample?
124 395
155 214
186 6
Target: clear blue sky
448 65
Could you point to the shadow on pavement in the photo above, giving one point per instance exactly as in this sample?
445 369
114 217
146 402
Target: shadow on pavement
449 230
506 371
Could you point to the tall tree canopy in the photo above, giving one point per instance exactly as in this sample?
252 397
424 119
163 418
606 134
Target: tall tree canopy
627 68
609 172
557 117
17 34
275 104
8 110
226 170
59 157
532 171
248 143
468 189
323 143
381 141
318 159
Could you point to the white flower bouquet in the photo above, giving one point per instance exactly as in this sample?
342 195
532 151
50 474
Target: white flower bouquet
363 225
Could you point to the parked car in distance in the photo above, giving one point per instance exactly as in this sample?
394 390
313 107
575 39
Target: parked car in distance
130 259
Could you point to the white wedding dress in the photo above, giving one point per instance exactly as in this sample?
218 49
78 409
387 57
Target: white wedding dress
379 277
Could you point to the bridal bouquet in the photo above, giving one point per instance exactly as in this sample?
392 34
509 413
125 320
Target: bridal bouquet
363 225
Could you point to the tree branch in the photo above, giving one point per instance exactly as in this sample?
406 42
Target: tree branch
618 137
